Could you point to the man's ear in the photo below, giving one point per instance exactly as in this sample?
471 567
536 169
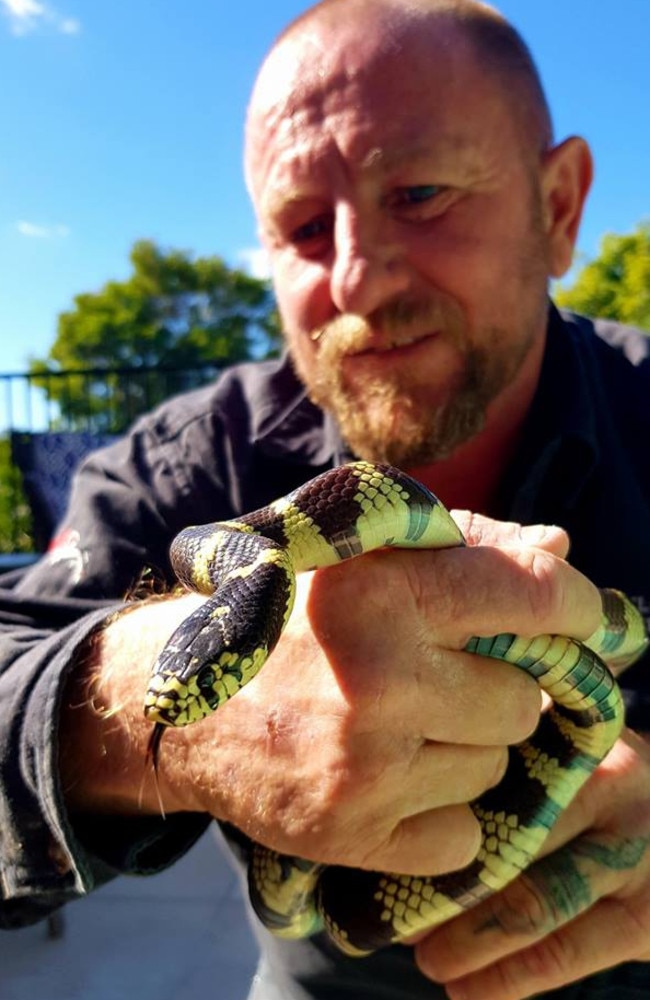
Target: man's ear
566 175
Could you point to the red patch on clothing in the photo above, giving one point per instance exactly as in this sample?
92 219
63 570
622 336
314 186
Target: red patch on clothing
68 538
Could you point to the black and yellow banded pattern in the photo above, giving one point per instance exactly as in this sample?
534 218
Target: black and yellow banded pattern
247 568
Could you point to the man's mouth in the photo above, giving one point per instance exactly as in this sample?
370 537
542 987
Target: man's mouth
402 345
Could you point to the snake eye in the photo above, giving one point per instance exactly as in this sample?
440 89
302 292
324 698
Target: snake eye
206 679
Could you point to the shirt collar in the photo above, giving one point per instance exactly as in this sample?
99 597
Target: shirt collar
287 425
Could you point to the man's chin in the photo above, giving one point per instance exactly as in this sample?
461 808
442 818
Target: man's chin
404 423
376 441
404 438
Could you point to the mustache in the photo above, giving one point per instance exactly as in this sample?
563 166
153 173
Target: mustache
401 320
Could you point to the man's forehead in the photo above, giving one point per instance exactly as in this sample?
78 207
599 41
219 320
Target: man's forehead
375 121
306 82
328 57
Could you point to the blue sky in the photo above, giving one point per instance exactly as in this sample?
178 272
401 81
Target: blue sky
123 120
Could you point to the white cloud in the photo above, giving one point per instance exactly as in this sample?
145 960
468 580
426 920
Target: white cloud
26 15
69 26
24 8
255 260
35 231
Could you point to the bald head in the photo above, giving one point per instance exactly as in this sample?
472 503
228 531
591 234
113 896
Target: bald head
409 28
399 159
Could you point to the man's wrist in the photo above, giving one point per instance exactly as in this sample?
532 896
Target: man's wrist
103 733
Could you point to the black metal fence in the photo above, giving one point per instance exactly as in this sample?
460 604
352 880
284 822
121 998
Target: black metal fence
102 400
48 422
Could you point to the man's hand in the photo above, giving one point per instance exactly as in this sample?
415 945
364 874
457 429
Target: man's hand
369 729
584 907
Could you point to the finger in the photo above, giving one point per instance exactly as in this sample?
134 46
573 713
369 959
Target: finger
442 774
493 704
609 934
551 894
438 832
430 843
610 799
487 590
480 530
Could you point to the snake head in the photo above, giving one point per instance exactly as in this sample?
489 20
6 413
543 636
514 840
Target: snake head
222 644
176 698
205 662
170 702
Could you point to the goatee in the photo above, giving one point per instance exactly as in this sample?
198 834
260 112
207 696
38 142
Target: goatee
399 418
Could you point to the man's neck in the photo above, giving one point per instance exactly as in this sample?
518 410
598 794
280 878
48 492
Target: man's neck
471 477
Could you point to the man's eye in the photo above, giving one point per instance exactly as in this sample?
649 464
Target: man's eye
415 195
312 230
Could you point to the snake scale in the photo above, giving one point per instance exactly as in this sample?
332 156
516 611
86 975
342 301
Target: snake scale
247 568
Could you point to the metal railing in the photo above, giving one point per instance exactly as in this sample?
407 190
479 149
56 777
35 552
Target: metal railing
105 400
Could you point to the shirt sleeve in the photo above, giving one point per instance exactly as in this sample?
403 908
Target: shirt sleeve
193 460
127 494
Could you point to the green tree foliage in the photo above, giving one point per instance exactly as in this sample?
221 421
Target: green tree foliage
616 285
15 517
173 313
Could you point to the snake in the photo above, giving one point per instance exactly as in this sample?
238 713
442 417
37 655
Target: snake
246 568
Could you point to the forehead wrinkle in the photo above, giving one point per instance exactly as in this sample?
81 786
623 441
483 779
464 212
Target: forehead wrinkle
340 111
403 150
361 147
296 176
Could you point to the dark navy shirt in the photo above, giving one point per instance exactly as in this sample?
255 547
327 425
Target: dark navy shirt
583 463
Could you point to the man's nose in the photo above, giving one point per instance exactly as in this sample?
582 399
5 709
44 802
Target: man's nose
369 269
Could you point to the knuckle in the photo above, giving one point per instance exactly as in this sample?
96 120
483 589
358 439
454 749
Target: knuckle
440 841
499 762
552 959
485 769
437 582
545 592
524 708
378 854
463 849
523 909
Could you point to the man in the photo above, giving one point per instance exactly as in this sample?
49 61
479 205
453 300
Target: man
408 189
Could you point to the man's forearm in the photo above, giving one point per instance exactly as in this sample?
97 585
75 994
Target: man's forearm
103 731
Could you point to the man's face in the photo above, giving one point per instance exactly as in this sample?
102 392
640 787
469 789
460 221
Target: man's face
405 228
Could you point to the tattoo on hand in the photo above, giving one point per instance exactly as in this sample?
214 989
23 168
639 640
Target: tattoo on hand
561 886
618 856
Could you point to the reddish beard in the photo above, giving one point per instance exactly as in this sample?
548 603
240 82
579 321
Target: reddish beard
398 417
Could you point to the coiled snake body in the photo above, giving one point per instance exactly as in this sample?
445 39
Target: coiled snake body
247 568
